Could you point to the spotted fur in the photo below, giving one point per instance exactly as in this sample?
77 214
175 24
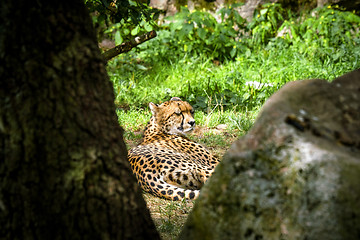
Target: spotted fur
166 163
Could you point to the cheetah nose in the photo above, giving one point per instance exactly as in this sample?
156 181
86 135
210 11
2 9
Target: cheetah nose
192 123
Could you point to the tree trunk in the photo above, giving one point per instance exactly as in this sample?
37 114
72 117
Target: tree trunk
63 166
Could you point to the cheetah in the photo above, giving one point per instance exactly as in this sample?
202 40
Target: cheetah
166 163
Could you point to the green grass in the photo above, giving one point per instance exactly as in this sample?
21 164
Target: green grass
228 92
323 44
206 85
135 120
231 90
216 130
168 216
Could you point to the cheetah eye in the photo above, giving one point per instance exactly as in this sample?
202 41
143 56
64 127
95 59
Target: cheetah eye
178 112
192 111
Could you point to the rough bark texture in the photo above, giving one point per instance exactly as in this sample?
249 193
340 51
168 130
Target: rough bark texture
295 175
63 167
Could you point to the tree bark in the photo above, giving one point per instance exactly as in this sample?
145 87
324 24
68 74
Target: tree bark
63 166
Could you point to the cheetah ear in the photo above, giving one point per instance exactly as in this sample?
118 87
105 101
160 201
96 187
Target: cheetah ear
154 108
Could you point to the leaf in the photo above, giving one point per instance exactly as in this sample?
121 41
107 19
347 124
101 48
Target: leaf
350 17
148 27
246 96
293 32
141 67
202 33
233 52
207 22
126 31
189 48
118 38
187 28
177 25
248 53
135 31
239 20
261 95
263 11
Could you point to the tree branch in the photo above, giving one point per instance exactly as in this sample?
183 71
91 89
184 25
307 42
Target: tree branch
127 46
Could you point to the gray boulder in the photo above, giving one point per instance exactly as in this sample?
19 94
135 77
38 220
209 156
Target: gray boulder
295 175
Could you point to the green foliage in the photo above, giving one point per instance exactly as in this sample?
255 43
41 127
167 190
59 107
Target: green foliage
326 31
183 60
126 29
266 22
121 20
330 27
201 33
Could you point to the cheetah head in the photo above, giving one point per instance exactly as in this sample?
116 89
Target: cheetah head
174 116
